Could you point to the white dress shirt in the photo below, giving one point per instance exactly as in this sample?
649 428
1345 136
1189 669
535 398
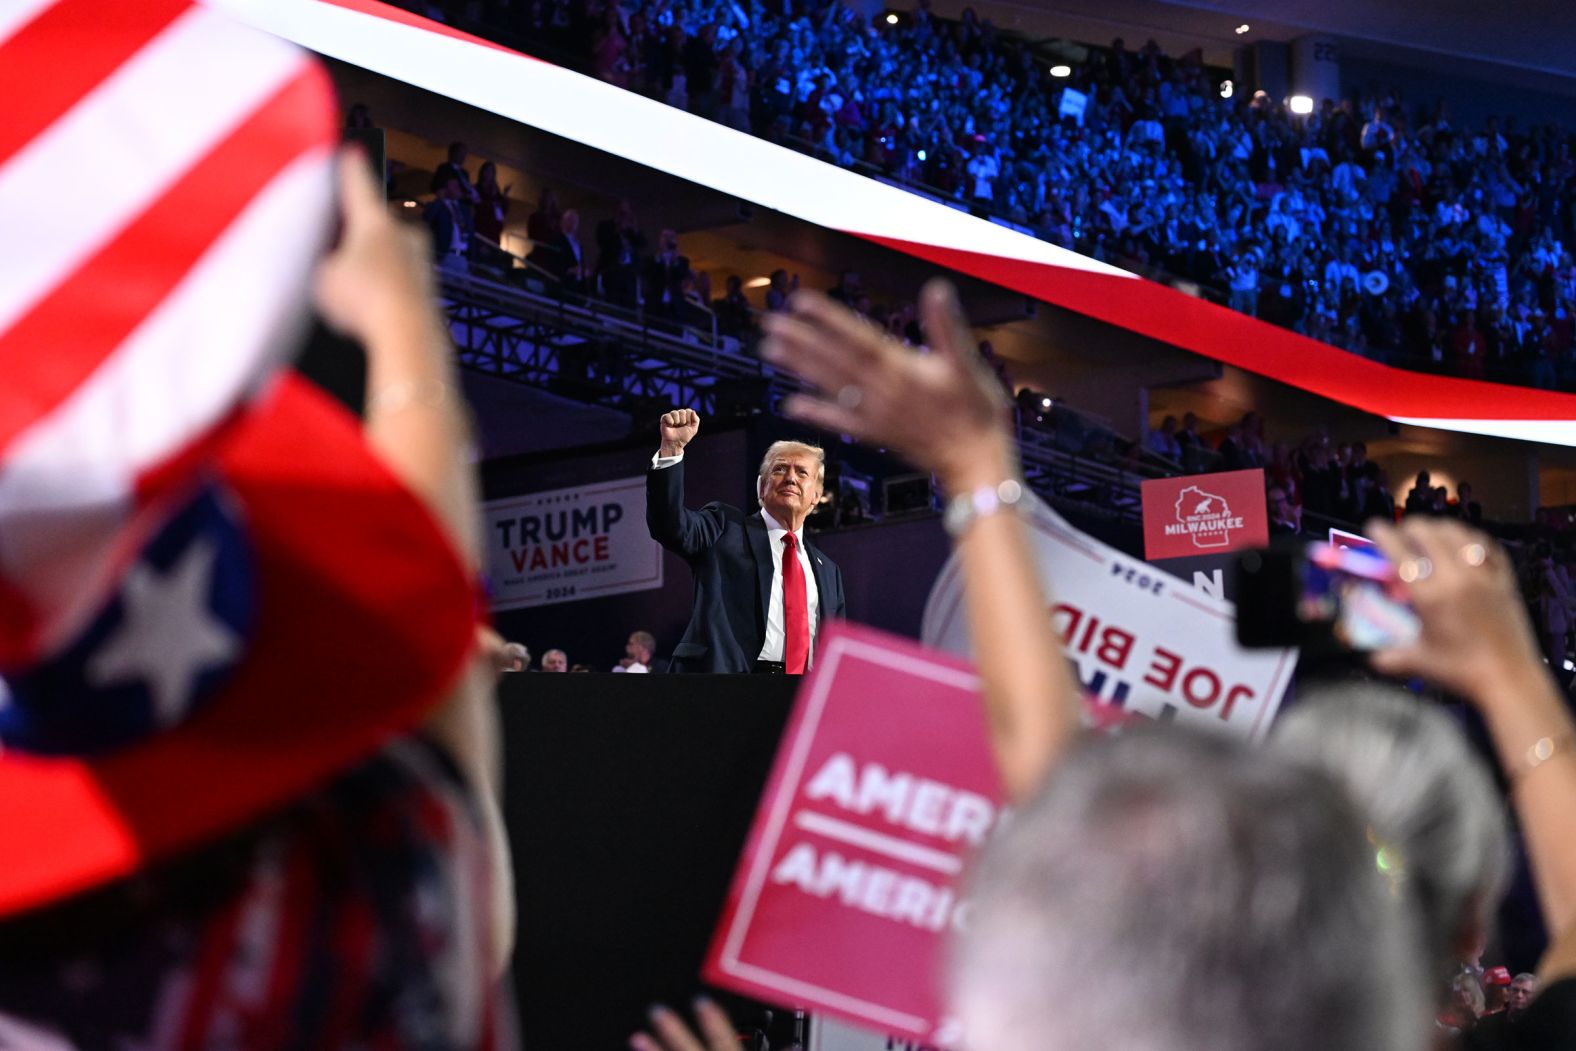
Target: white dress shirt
776 634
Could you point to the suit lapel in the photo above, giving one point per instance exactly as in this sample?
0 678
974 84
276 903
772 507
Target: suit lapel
760 546
817 567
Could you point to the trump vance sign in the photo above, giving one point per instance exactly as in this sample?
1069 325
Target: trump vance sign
563 545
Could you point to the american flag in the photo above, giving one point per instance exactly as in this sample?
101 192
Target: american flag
159 164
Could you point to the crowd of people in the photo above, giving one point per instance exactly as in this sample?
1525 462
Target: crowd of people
1129 855
640 649
618 263
1374 222
223 833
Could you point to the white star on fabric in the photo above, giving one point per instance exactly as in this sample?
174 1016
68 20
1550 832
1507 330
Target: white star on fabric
168 636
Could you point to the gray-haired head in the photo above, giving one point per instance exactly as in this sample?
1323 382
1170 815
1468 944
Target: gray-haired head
1430 800
776 449
1192 894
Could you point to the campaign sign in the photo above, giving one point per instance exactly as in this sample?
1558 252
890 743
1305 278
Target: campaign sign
1140 639
1204 514
883 785
563 545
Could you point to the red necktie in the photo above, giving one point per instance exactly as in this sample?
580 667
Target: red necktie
796 610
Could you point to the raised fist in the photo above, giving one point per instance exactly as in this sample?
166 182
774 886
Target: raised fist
677 428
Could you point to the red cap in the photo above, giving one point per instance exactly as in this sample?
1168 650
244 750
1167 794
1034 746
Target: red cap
1496 976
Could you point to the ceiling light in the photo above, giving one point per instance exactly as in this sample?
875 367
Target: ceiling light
891 18
757 282
1226 89
1243 28
1045 403
1061 71
409 204
1301 105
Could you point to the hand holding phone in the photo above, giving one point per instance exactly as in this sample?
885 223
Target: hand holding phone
1322 596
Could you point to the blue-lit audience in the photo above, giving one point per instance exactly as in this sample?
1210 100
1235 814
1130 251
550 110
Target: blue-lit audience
1366 224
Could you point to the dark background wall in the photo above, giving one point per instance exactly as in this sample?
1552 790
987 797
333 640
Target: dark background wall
627 800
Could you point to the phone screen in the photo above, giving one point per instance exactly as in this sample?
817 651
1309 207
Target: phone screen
1357 594
1322 597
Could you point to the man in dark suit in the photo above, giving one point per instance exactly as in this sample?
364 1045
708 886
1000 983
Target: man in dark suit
449 219
762 591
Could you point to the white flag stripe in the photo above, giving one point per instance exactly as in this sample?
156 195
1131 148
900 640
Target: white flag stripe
878 842
1550 432
14 14
624 124
146 110
175 376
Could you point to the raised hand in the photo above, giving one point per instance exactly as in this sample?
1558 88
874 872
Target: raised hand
1475 628
943 411
678 429
380 275
673 1035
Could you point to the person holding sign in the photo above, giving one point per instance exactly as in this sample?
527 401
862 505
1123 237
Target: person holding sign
762 590
1201 894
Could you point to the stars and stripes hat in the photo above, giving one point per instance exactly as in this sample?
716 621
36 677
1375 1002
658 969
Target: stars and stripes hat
213 596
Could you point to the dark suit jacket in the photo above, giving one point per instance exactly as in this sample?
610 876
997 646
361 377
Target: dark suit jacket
729 552
441 219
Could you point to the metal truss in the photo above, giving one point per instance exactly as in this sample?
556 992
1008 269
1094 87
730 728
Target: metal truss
600 354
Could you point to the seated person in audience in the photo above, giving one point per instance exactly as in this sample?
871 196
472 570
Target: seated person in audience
779 290
517 656
555 661
638 651
1512 1027
1285 519
1163 440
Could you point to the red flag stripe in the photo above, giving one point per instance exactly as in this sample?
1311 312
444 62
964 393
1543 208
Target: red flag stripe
1163 313
69 334
50 62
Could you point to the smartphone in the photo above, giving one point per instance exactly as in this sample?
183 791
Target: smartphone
1321 596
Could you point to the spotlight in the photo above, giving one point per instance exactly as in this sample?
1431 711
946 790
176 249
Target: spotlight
920 154
1227 89
1243 28
1045 403
409 204
891 18
1061 71
757 282
1301 105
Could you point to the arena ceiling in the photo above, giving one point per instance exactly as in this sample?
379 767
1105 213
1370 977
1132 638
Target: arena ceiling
1509 41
